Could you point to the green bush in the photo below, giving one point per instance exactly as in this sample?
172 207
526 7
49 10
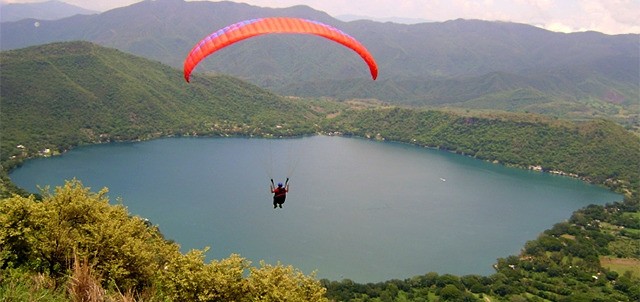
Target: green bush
126 254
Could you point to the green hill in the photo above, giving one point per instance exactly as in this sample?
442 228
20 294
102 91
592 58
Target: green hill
64 94
61 95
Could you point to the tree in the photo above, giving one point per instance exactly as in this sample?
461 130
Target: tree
283 283
451 293
77 223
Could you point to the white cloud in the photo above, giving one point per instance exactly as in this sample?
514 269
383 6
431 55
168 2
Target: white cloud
558 27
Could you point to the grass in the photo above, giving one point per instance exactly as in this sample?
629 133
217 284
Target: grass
621 265
635 215
84 286
16 285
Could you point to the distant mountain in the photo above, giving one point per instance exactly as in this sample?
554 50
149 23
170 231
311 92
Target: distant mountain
602 90
48 10
467 63
401 20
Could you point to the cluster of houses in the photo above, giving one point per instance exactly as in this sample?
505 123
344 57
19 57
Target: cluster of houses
556 172
44 152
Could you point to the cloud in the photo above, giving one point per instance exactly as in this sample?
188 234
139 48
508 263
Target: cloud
612 17
608 16
614 12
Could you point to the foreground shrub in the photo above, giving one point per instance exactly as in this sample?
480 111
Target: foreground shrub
98 251
46 235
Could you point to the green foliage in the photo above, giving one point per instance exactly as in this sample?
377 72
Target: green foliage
188 278
45 235
283 283
91 94
46 238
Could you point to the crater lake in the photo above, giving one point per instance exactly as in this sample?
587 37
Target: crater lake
358 209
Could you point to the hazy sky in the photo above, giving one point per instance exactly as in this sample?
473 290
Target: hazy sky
607 16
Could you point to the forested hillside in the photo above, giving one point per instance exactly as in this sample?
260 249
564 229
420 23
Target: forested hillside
61 95
461 63
570 94
597 151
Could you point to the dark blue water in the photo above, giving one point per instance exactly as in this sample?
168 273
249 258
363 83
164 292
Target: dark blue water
357 209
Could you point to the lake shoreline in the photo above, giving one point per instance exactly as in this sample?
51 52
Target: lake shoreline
418 172
537 168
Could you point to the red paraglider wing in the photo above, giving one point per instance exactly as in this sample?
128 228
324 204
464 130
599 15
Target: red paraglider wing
251 28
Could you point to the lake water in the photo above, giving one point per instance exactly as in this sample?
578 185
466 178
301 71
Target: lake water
357 209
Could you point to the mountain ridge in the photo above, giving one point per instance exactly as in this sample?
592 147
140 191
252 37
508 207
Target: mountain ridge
47 10
448 45
452 58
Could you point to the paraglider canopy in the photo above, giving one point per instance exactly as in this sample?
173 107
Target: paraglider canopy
255 27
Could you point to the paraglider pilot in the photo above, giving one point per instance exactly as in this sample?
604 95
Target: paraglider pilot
279 193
